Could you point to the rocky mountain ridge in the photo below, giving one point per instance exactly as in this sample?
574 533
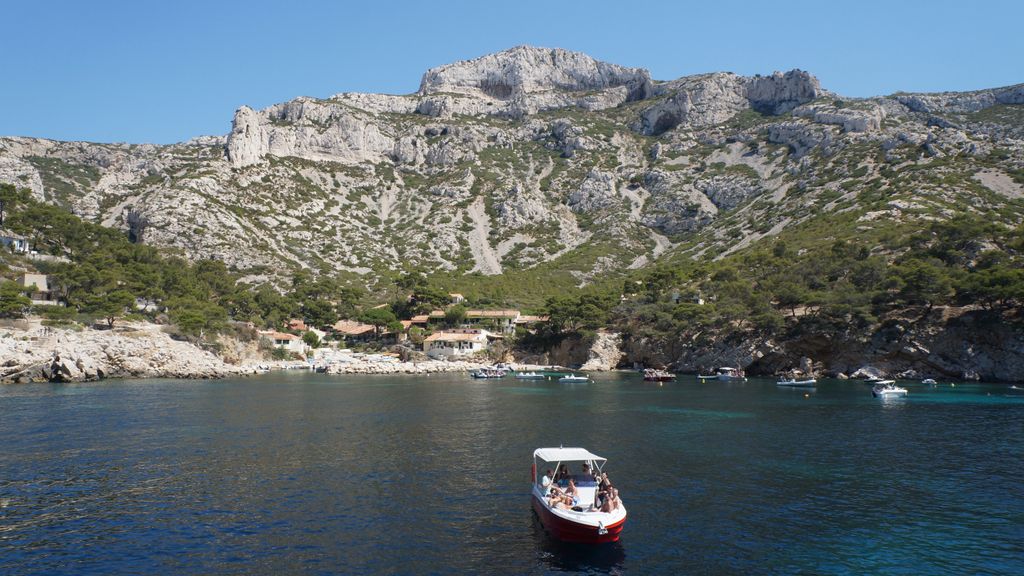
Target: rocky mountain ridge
540 160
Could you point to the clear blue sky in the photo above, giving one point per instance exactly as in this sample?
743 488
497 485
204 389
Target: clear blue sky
141 71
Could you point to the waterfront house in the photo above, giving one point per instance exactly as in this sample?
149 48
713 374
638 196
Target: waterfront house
41 294
503 321
455 343
285 341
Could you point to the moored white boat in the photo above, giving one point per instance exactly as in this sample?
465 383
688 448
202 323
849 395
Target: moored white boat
574 378
583 523
726 373
530 375
488 373
929 381
888 389
808 383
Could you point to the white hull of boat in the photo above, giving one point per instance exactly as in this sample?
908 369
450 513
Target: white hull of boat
797 383
530 376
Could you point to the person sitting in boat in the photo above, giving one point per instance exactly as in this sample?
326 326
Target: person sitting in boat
587 474
572 492
601 495
563 474
611 500
560 501
545 481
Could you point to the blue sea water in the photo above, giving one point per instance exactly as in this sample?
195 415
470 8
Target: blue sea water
313 474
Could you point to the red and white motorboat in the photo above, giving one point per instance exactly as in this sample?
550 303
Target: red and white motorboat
583 522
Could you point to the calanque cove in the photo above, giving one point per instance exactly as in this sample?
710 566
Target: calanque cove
534 206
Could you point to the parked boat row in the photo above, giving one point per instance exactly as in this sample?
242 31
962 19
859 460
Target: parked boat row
503 370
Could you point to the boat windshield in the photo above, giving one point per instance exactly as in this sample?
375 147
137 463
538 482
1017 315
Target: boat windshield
564 464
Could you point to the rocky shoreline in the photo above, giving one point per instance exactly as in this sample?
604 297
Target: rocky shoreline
31 352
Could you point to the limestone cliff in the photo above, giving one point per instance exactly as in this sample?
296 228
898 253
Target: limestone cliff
529 157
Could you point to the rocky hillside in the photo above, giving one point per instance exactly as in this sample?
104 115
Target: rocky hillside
536 160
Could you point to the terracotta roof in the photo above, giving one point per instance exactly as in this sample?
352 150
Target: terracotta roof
526 319
296 324
481 314
406 323
420 319
280 335
492 313
455 337
352 328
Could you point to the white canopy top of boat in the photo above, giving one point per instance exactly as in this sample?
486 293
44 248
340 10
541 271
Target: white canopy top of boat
566 455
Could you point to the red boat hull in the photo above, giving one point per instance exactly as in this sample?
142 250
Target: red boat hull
567 531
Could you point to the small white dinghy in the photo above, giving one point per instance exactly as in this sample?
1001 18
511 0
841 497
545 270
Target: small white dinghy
574 379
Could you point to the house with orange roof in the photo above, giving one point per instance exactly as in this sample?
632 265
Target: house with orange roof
455 343
503 321
285 341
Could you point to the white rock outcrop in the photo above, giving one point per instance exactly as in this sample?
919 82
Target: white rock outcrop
605 353
310 129
711 99
863 119
525 70
36 353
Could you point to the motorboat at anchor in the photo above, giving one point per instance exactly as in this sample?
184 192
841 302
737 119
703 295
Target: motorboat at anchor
793 383
488 373
726 373
574 379
888 389
531 375
583 522
929 382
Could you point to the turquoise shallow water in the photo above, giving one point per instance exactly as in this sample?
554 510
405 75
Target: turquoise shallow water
301 473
